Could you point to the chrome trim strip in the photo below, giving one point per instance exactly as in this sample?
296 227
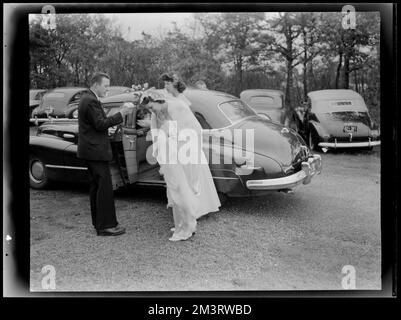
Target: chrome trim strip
309 169
65 167
349 144
226 178
51 120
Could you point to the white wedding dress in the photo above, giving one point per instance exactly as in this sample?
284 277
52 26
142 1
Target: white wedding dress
190 188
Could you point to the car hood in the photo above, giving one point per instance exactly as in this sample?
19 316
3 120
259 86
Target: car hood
272 140
333 123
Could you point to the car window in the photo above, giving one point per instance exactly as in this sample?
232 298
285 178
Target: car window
339 104
201 119
77 97
236 110
40 95
266 101
112 110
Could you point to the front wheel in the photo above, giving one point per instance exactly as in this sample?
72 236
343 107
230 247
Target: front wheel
38 176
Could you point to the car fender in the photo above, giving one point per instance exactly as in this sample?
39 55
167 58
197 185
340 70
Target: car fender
41 146
70 109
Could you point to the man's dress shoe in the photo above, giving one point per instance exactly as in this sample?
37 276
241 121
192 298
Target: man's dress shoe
116 231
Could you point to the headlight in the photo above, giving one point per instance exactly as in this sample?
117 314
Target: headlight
75 114
375 133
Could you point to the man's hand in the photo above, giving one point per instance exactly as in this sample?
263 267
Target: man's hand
145 123
127 108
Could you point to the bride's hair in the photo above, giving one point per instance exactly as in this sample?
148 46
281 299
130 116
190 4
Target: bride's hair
178 84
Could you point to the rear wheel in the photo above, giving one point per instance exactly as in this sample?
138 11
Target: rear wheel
38 176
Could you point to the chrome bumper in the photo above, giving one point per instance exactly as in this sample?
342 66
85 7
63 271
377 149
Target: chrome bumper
349 144
309 169
51 120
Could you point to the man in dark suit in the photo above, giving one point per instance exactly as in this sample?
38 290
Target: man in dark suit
94 146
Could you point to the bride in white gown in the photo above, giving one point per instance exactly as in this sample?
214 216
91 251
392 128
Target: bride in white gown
179 110
190 188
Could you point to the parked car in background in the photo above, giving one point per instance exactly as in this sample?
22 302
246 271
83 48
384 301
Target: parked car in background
35 96
72 110
270 104
56 102
281 158
337 118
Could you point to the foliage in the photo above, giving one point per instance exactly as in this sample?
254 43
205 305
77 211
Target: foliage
231 52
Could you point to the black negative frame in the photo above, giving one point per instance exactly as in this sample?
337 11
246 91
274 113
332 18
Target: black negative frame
17 138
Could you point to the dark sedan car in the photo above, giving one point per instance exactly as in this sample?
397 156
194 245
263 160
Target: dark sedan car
337 118
56 102
72 110
35 96
270 104
276 159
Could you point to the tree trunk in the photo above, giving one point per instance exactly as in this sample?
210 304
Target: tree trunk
356 81
305 64
288 89
240 74
362 84
346 70
340 62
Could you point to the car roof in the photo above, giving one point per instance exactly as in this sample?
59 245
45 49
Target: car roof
119 87
204 102
68 89
209 95
331 94
252 92
122 97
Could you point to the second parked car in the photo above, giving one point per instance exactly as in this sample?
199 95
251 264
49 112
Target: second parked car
56 102
35 96
337 118
269 103
72 110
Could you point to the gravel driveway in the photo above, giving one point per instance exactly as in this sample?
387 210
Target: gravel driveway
280 241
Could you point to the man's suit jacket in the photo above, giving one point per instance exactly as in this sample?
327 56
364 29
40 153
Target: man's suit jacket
93 139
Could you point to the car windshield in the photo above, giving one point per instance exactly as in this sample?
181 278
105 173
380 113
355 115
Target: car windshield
266 102
236 110
32 95
55 95
324 106
77 97
35 94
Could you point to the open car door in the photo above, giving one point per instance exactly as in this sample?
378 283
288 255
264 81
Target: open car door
129 142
